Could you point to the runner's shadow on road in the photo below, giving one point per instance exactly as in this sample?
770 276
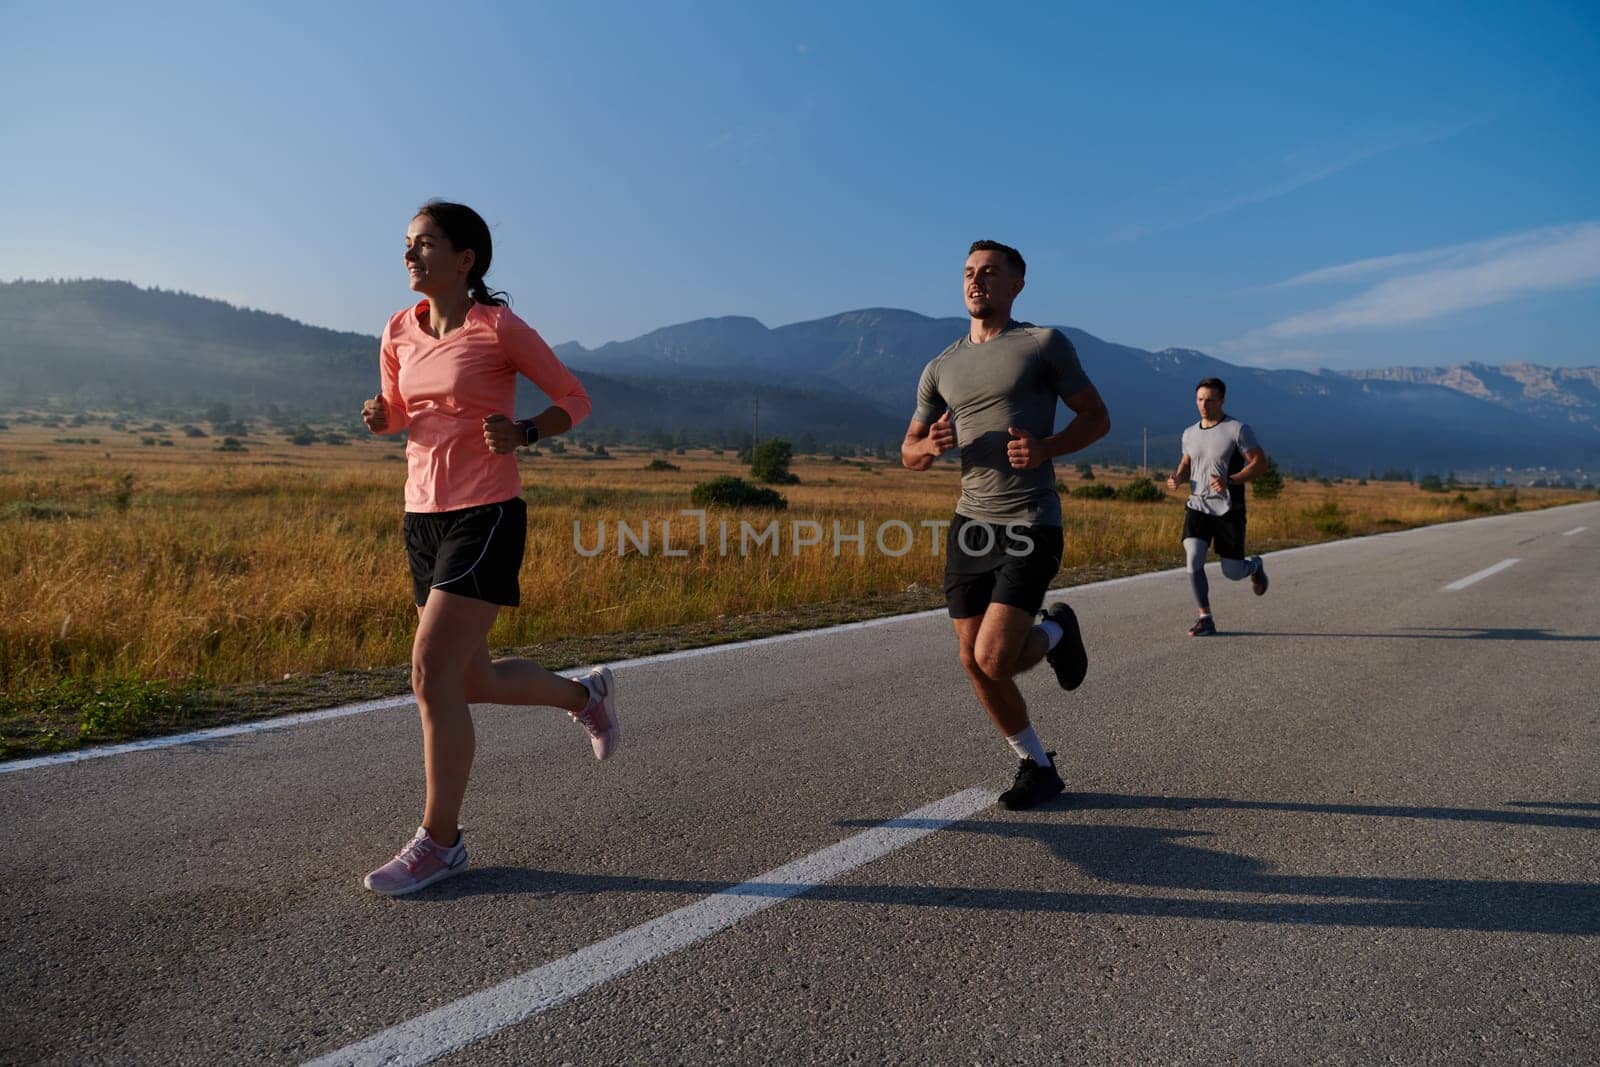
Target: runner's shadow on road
1117 858
1431 633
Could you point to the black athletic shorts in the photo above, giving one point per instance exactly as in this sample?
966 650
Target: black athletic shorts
473 552
985 563
1223 532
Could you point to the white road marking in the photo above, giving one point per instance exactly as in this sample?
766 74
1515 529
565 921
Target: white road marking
472 1018
264 725
206 735
1462 583
1575 531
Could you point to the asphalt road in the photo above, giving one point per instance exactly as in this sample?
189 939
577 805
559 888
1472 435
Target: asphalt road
1362 824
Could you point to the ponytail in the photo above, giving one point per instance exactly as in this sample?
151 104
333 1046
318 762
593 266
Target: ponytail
480 292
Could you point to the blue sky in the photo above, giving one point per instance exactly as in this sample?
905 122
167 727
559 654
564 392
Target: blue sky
1279 185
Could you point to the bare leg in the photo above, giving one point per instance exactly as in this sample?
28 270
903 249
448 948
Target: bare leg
995 647
453 629
520 681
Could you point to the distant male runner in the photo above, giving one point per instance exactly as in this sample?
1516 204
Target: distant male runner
996 390
1220 454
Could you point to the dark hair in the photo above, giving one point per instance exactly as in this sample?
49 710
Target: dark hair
1013 257
465 229
1213 383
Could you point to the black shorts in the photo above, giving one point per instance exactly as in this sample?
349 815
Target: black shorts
985 563
1223 532
474 552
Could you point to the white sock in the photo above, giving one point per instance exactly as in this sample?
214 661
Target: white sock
1052 633
1028 746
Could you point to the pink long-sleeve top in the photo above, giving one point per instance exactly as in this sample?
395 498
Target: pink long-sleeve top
443 388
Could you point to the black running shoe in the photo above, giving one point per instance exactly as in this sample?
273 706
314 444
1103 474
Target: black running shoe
1069 658
1033 785
1203 627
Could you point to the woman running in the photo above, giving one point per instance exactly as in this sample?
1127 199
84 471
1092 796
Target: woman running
449 367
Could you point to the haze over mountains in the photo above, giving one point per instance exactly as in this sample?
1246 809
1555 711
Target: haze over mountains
846 379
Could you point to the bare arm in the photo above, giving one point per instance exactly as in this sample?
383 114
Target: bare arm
502 435
1091 421
1179 476
1255 461
927 441
1255 464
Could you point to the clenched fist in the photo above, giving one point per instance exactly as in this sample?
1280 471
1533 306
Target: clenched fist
501 434
1024 450
375 413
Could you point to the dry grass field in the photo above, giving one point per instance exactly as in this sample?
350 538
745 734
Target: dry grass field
134 575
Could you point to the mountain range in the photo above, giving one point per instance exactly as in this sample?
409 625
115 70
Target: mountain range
845 379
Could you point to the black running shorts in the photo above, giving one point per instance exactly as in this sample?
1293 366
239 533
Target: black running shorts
474 552
1225 533
986 563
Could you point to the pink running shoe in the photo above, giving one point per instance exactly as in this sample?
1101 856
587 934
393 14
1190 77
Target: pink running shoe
599 717
422 862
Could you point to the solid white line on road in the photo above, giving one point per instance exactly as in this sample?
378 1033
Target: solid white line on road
1462 583
206 735
265 725
474 1017
1574 531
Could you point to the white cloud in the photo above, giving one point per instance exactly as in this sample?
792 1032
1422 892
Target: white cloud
1462 277
1461 254
1296 171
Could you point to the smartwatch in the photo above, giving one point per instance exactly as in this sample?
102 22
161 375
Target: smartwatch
530 431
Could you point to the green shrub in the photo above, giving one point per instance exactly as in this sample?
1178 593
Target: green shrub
661 465
769 462
1097 491
1269 483
1085 471
1141 491
730 492
232 444
1431 483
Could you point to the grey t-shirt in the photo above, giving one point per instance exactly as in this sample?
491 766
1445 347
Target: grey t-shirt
1014 379
1217 450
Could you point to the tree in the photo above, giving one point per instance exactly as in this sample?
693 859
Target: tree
1269 483
1085 471
769 462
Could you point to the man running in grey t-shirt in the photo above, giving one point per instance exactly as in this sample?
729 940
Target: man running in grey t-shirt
996 390
1220 454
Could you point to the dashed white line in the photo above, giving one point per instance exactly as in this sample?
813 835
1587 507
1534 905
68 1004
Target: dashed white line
1462 583
472 1018
1575 531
